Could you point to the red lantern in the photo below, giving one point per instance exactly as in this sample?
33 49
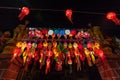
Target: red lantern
69 14
73 32
40 45
24 12
44 31
111 15
101 54
16 51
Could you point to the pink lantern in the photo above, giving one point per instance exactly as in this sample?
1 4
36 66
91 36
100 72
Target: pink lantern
24 12
69 14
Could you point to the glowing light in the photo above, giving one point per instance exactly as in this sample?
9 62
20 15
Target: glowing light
111 15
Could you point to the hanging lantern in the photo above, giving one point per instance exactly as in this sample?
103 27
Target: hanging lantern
16 51
70 45
50 32
75 45
44 31
39 45
111 15
73 32
69 14
67 31
38 33
56 31
65 44
101 54
62 32
24 12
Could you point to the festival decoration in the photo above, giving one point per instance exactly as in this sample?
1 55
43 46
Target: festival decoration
24 12
68 14
62 50
112 16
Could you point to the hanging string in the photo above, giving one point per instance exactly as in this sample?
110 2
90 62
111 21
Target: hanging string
53 10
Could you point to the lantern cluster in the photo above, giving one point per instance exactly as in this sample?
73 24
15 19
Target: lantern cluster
66 33
45 53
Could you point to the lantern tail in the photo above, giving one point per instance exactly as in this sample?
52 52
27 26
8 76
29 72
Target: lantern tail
70 19
21 16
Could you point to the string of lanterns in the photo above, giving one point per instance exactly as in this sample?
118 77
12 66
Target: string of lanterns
67 33
68 13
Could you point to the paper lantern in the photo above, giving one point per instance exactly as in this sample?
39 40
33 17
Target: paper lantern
24 12
62 32
67 31
16 51
56 31
111 15
50 32
73 32
69 14
75 45
70 45
39 45
44 31
29 45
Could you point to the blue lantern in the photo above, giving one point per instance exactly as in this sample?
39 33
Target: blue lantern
56 31
62 32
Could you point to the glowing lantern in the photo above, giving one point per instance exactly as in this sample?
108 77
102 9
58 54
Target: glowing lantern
24 12
101 53
16 51
69 14
50 32
67 32
56 31
75 45
89 45
39 45
73 32
111 15
70 45
44 31
62 32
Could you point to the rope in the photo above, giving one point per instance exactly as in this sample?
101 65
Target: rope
53 10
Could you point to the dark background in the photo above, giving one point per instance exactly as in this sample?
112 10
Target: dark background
84 11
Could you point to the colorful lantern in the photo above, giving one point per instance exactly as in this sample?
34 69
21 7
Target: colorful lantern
111 15
56 31
73 32
24 12
50 32
67 31
39 45
44 31
62 32
69 14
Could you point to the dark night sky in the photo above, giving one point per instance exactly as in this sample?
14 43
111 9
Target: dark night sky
9 20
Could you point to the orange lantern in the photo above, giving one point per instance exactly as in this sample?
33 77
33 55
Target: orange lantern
24 12
69 14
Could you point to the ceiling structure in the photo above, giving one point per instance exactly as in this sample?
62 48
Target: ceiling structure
84 12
